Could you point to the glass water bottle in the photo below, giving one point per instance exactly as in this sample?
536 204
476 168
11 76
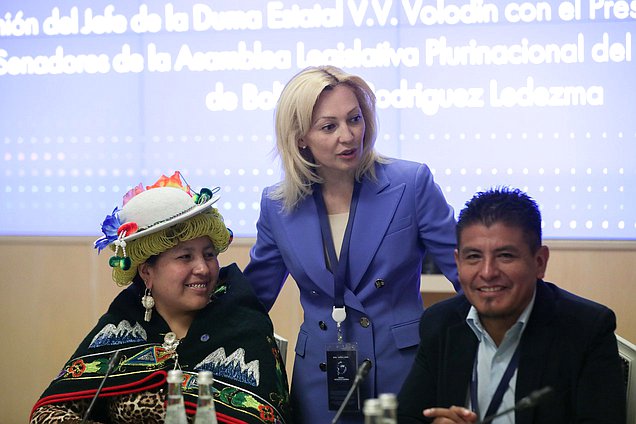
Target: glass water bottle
388 402
372 411
206 414
175 409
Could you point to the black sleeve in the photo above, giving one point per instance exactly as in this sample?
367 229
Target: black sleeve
419 386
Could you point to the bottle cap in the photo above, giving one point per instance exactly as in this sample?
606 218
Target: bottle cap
205 377
388 400
372 408
175 376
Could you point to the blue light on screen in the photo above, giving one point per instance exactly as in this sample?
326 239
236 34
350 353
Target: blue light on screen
98 96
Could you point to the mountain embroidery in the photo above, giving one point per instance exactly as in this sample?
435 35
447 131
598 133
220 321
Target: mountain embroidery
232 367
123 333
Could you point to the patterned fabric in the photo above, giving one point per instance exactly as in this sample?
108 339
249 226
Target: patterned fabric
232 337
144 407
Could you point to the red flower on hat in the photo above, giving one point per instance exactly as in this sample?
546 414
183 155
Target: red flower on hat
129 228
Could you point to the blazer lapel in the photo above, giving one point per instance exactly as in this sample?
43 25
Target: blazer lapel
536 341
302 230
376 206
460 353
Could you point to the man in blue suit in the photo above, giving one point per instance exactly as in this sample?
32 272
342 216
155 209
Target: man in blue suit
512 334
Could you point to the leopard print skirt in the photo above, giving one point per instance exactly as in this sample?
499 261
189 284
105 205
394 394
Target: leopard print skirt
144 408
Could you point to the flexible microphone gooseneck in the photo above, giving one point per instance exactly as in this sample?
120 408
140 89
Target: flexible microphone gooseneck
362 372
111 366
532 400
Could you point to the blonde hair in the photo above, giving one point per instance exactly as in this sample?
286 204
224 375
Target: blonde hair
208 223
293 120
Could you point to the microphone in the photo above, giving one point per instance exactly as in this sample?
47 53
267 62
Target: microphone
532 400
362 372
111 366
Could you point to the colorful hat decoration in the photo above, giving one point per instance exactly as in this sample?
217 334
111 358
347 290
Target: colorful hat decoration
144 211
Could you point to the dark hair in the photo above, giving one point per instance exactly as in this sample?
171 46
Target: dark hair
137 278
505 205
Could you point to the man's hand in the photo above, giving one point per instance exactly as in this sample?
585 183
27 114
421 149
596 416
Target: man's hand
452 415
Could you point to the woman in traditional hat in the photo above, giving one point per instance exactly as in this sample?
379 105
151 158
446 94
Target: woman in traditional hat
180 310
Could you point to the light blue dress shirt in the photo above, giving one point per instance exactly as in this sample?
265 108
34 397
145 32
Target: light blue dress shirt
492 361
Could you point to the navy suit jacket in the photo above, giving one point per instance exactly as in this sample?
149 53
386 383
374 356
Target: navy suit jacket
568 344
399 217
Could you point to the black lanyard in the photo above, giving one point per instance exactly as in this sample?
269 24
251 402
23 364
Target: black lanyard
497 398
339 268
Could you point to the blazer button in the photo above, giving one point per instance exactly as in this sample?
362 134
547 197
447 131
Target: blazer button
322 325
364 321
379 283
323 367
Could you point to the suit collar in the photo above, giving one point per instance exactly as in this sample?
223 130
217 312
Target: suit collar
302 230
536 341
376 207
377 204
461 349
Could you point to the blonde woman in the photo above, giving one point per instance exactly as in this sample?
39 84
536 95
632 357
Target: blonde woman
351 227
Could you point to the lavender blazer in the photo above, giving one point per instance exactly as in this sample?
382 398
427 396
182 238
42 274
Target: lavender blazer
399 218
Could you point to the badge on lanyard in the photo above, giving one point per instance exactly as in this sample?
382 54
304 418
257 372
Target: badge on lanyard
342 365
342 358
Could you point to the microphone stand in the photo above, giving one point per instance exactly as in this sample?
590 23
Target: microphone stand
363 370
111 365
493 416
530 401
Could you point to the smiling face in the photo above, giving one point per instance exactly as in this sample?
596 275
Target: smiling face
498 271
182 278
336 133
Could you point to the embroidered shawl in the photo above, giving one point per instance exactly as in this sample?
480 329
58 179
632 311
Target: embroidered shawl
232 337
